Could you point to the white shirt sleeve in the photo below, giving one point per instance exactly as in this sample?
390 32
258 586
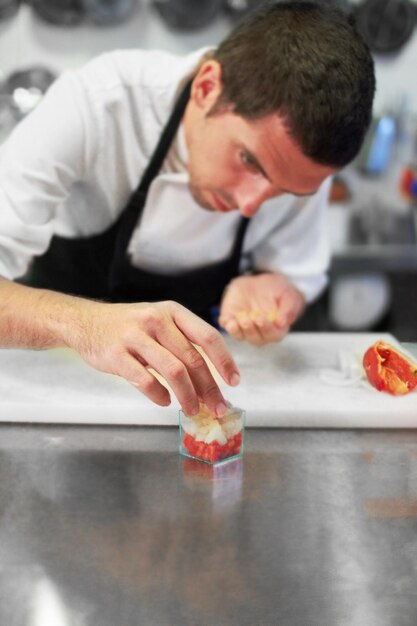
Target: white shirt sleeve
298 245
45 154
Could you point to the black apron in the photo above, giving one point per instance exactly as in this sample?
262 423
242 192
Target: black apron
98 266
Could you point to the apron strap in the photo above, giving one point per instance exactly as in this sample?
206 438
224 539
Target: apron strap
238 243
165 141
133 210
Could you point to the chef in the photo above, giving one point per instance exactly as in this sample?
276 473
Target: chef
147 188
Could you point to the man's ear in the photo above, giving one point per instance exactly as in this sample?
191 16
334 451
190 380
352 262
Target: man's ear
207 85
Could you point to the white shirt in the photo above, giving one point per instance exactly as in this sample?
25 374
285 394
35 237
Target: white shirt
70 167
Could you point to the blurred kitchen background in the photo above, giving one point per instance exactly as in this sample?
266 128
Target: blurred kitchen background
372 218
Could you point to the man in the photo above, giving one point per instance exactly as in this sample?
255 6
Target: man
232 150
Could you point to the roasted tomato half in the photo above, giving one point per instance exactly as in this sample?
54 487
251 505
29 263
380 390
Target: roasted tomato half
389 370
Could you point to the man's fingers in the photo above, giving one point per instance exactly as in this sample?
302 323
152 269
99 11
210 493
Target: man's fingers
246 325
202 379
185 371
290 305
213 344
138 376
249 328
173 370
258 326
231 326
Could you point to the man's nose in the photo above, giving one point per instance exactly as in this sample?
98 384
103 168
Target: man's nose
250 198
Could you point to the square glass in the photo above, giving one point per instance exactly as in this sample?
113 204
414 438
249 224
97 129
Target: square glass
210 439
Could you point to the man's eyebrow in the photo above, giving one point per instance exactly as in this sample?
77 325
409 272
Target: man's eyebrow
261 169
299 195
256 163
263 172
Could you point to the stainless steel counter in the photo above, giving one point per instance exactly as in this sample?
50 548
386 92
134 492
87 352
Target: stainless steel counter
107 526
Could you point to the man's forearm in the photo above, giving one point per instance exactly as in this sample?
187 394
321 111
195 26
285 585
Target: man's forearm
36 318
123 339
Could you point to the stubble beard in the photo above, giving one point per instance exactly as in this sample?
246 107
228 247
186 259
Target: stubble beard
198 197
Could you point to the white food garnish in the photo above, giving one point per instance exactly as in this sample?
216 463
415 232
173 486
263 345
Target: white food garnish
208 428
349 373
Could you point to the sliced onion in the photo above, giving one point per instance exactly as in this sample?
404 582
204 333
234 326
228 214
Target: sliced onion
338 379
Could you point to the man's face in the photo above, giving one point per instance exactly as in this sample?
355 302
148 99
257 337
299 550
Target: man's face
237 164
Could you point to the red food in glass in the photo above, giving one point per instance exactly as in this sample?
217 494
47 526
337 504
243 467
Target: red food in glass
212 451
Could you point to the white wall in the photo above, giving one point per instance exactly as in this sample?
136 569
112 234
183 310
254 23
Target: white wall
397 77
26 40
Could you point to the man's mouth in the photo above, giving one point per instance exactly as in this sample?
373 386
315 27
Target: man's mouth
220 205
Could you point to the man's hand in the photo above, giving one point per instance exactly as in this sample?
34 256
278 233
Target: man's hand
260 309
125 340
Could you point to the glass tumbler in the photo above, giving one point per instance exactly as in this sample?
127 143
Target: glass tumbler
212 439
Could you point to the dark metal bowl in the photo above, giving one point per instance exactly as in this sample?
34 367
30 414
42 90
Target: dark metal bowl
188 14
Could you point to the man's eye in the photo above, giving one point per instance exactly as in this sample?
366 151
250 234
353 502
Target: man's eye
248 161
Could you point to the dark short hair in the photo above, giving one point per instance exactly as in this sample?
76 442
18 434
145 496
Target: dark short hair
306 62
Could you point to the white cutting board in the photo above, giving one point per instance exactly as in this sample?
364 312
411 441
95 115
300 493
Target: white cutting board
280 386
